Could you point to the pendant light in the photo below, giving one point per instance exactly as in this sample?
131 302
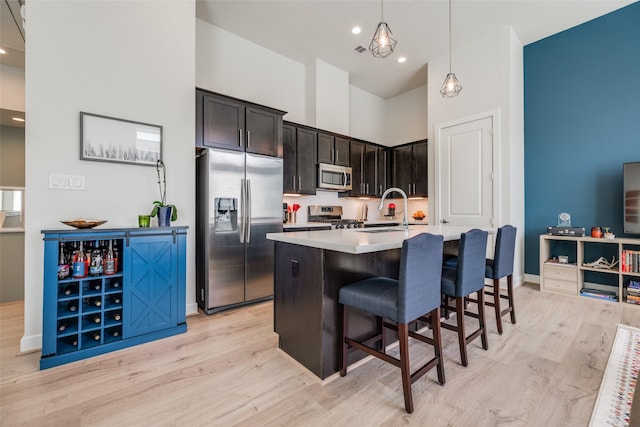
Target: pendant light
383 43
451 86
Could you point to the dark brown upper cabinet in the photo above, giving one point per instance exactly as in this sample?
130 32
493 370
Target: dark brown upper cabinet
409 166
299 160
369 169
233 124
333 149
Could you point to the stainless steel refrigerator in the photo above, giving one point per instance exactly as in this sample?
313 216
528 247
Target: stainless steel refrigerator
238 201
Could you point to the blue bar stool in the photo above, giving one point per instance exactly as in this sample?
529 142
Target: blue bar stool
499 267
416 293
463 280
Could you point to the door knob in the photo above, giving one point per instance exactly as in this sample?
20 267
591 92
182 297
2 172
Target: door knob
444 221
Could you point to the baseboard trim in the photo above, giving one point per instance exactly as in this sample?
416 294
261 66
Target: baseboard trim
30 343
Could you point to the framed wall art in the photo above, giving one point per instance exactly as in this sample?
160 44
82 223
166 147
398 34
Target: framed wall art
108 139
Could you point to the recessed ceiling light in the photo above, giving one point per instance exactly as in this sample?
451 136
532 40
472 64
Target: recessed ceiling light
2 51
402 59
17 119
356 30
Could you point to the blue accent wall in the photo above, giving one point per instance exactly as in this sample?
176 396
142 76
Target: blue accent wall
582 122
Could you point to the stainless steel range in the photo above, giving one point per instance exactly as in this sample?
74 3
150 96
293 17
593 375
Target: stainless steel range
332 215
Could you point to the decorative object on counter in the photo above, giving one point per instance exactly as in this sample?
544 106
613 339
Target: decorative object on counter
291 213
392 209
451 86
609 235
166 213
83 222
418 215
383 43
144 221
564 219
108 139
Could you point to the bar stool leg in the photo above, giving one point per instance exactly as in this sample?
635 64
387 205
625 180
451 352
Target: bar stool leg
461 332
343 344
437 343
403 341
483 327
510 298
496 304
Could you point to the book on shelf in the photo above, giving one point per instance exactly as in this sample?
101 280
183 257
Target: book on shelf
630 261
632 301
633 285
599 294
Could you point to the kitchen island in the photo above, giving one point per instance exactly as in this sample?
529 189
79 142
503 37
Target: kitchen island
311 267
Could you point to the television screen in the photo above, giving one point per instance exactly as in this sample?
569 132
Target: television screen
631 189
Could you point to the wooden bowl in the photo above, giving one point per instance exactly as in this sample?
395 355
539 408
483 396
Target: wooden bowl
83 223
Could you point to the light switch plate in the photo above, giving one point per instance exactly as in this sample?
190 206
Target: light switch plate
66 182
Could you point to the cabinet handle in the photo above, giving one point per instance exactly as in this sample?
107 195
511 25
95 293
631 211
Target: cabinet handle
367 188
299 183
248 138
332 157
239 137
293 182
336 156
380 190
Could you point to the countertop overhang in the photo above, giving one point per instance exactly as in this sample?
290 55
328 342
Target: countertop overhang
363 240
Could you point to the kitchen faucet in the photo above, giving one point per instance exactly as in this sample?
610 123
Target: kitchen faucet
405 220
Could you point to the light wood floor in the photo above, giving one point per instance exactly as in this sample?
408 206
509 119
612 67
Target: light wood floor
226 370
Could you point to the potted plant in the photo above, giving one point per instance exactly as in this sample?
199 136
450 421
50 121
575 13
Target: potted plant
166 213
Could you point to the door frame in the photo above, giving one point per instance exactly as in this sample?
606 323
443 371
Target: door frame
496 155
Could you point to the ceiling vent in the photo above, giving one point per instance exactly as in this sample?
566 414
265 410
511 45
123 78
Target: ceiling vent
360 50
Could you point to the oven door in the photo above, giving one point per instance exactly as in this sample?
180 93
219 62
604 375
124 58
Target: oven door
332 177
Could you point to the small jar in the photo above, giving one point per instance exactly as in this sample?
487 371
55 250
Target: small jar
596 232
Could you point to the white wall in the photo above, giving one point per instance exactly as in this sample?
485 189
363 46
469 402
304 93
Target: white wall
491 73
11 88
406 117
331 98
133 60
233 66
366 116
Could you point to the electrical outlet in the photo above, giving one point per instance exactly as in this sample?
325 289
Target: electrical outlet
66 182
294 268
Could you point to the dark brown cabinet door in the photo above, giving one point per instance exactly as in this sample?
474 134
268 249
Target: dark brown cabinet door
402 168
370 160
262 132
289 159
420 177
342 155
306 161
223 121
357 168
382 171
325 148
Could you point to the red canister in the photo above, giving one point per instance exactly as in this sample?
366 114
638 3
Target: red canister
596 232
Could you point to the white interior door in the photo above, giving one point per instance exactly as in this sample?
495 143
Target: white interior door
466 178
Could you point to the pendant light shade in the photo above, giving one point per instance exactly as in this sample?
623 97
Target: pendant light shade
451 86
383 43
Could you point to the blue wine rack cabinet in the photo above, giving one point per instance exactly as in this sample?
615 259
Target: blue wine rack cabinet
143 301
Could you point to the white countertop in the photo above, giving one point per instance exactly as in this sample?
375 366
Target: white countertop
365 240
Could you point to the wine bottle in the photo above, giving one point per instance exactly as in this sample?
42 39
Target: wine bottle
109 261
96 267
72 305
116 316
95 318
73 341
68 290
63 263
95 335
93 301
115 299
115 284
62 326
96 286
115 333
79 263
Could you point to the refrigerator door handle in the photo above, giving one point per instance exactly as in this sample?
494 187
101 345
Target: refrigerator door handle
248 216
243 211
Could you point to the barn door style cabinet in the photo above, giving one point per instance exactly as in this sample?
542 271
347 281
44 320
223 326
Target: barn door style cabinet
137 298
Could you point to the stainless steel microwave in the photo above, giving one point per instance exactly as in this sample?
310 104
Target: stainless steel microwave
332 177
